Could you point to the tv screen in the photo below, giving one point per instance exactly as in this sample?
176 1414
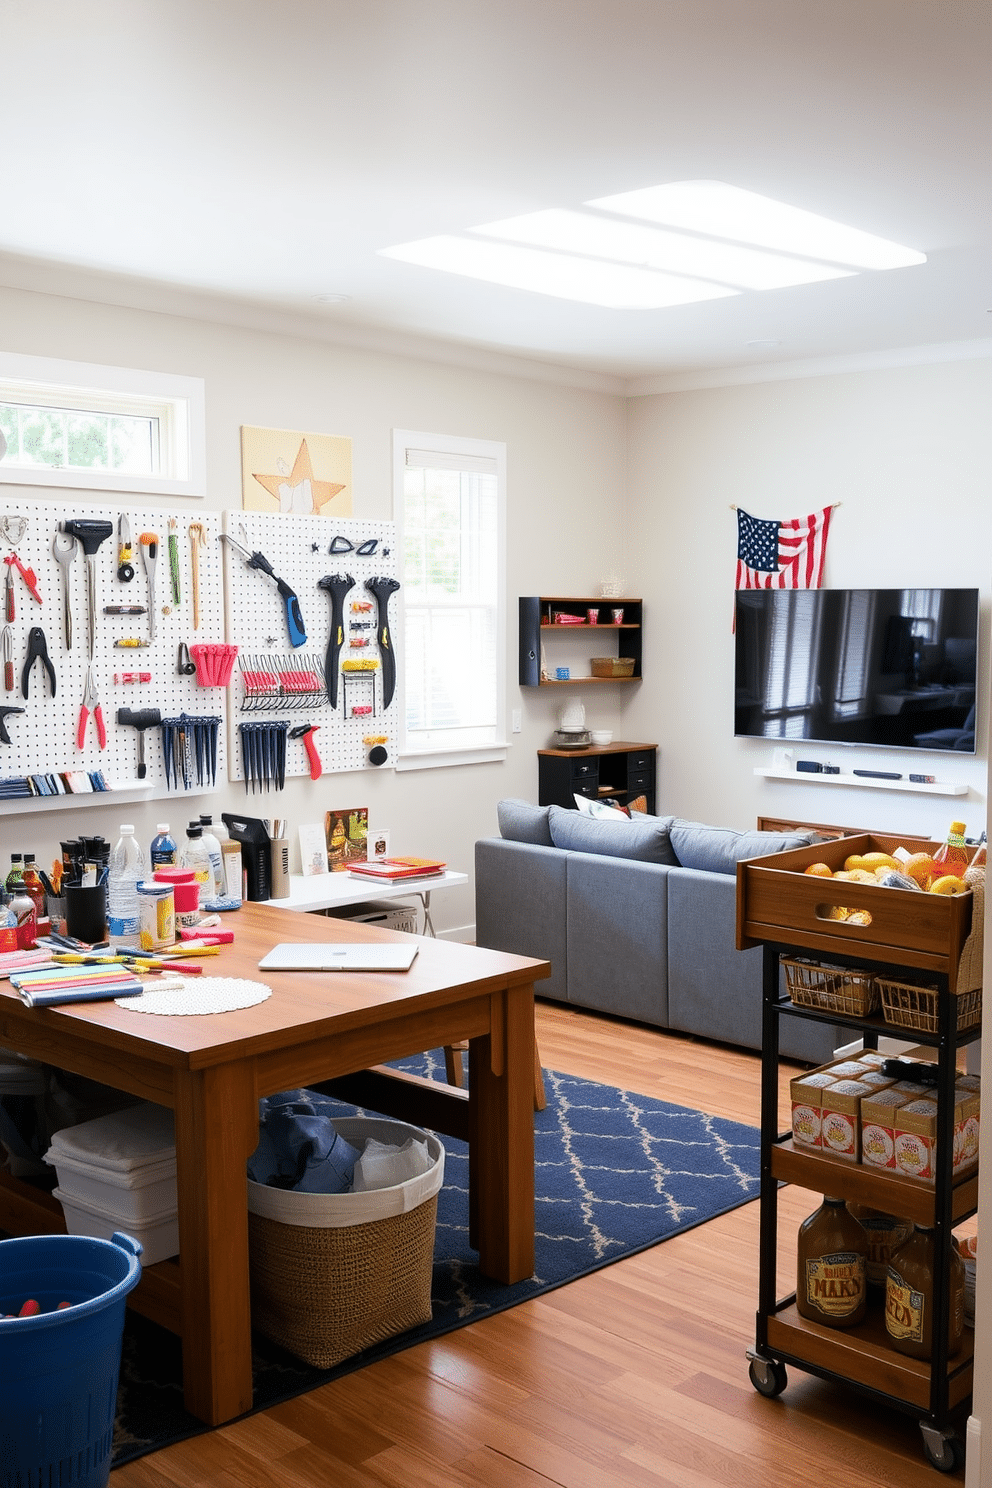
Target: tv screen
892 668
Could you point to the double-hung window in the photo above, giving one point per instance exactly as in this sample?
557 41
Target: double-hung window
449 508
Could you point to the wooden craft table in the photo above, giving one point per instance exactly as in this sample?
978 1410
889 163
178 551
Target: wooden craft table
212 1070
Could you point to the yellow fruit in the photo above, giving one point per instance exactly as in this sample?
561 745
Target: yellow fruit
949 884
819 870
838 912
870 861
863 875
920 866
859 917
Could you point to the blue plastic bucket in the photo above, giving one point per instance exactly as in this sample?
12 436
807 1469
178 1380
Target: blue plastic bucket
59 1370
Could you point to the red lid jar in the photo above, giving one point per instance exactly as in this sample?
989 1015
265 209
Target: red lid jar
187 890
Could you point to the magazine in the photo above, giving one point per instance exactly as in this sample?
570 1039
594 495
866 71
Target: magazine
393 868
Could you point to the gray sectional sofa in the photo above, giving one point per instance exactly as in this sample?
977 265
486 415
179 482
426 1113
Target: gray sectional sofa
637 918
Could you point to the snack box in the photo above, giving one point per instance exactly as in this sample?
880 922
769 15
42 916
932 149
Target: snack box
969 1130
778 901
915 1136
840 1118
806 1092
878 1137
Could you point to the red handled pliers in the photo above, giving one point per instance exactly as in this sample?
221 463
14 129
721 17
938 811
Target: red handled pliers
91 704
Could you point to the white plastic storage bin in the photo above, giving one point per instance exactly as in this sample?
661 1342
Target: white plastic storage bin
158 1234
140 1137
134 1194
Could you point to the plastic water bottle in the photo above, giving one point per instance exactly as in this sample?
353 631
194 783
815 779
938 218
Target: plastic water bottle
127 868
163 852
212 844
194 856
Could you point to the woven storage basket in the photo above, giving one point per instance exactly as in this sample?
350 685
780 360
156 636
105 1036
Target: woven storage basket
612 666
325 1288
910 1006
834 989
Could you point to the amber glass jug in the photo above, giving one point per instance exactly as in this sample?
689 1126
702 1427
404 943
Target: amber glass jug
832 1266
909 1297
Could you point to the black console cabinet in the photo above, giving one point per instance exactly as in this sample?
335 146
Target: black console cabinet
621 770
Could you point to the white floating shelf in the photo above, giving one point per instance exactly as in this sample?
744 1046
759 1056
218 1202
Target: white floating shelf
123 793
939 787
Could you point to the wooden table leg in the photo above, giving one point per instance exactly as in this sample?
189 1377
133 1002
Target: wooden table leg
216 1114
501 1160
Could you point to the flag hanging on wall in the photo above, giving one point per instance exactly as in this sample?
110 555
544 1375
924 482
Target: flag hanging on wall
781 555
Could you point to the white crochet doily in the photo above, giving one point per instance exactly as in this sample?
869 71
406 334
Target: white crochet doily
185 997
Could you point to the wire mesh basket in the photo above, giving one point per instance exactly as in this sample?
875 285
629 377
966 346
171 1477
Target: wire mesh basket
834 989
911 1006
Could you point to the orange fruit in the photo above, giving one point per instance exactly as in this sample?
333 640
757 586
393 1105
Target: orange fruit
920 866
819 870
838 912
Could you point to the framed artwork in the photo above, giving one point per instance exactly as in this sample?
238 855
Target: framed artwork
379 844
284 470
347 834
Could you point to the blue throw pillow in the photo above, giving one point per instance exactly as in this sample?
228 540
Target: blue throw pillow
643 838
519 821
720 849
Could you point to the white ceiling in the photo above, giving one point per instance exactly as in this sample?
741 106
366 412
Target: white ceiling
243 159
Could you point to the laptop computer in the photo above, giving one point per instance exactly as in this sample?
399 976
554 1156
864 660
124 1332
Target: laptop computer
390 955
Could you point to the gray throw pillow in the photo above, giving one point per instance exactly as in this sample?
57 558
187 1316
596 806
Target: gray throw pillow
720 849
519 821
643 838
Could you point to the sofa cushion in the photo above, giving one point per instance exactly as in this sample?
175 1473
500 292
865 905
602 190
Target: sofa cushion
644 838
720 849
519 821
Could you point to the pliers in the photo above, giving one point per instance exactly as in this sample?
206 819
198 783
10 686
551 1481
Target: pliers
91 704
37 646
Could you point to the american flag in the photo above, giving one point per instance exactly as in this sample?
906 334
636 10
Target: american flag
781 555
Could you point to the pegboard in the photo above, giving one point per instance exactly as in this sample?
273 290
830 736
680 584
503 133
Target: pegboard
263 686
43 738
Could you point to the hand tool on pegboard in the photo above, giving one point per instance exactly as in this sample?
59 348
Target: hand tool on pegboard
197 540
263 754
90 535
294 616
140 719
337 586
64 548
37 650
382 588
149 557
174 559
7 645
306 731
12 530
5 713
125 552
90 704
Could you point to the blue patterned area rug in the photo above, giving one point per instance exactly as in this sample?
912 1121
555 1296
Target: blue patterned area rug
615 1174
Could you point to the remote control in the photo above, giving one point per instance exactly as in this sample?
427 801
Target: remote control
880 774
923 779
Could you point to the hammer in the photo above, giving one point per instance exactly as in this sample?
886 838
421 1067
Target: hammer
90 535
141 719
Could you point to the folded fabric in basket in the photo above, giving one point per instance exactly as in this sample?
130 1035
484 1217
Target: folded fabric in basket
382 1165
298 1146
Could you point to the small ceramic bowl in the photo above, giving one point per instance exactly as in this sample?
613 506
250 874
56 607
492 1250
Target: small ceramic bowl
601 737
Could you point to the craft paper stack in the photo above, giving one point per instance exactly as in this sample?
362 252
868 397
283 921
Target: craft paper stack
51 986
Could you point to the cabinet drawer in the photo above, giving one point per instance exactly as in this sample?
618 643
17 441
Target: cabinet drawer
641 761
586 788
585 769
640 780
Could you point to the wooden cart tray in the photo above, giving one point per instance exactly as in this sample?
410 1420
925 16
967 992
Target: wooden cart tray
778 901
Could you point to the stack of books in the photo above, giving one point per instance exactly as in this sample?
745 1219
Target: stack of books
390 870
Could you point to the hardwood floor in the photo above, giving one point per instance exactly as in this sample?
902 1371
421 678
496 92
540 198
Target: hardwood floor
635 1375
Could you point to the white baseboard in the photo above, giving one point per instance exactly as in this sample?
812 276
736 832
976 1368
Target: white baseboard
973 1447
464 934
886 1045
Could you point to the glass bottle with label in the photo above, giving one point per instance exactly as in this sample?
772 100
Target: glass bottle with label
884 1233
34 886
832 1266
909 1297
954 855
15 877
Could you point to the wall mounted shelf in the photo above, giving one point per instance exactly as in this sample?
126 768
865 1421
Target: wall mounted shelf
939 787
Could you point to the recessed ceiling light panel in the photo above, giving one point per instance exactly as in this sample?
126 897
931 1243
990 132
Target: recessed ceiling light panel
723 211
678 253
616 286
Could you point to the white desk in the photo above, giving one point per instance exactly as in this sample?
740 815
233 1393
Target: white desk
335 890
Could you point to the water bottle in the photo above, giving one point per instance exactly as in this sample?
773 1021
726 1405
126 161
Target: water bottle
127 868
163 852
212 844
8 924
195 856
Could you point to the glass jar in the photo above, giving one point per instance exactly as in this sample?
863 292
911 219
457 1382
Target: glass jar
909 1297
832 1266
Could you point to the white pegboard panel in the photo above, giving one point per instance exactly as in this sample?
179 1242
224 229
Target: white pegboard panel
43 739
298 548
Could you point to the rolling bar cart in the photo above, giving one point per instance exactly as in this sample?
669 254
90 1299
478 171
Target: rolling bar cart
937 1391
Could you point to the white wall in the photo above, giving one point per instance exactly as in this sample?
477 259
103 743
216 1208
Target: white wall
906 452
565 472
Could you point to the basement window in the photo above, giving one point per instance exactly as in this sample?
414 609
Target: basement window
78 425
449 509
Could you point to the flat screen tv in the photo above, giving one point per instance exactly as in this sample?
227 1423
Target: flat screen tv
889 668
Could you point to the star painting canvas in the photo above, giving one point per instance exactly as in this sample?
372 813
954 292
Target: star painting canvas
283 470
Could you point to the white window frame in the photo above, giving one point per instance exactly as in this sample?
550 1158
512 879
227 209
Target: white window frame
416 758
177 402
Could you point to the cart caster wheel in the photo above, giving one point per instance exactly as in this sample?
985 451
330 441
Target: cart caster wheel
943 1451
768 1377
